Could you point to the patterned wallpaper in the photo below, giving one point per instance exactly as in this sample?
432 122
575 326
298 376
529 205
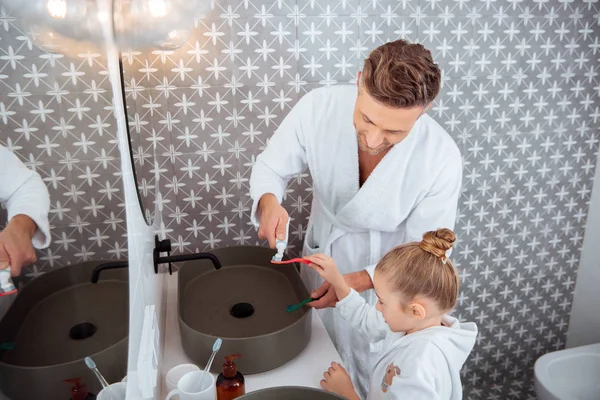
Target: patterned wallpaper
520 98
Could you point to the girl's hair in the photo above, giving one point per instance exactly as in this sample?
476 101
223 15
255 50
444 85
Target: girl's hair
423 269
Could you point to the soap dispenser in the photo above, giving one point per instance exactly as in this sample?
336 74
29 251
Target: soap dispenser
230 382
79 390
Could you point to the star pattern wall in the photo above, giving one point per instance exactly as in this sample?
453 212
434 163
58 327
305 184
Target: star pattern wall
520 98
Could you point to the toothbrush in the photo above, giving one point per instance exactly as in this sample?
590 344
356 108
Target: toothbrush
294 307
92 365
7 346
281 245
216 347
7 286
291 261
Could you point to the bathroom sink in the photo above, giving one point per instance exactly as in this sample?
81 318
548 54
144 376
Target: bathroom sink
55 322
290 393
244 303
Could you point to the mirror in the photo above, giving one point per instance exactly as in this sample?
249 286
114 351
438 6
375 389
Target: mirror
206 118
73 302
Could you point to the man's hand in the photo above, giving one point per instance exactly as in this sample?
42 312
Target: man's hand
359 281
16 249
273 219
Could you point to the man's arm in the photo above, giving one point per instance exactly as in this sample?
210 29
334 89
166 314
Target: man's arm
283 158
26 199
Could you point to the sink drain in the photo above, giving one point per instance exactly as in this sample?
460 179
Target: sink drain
82 331
242 310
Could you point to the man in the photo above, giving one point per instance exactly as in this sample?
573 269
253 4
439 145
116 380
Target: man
380 179
26 199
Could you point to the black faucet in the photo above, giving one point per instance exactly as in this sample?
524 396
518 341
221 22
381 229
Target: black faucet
160 246
107 265
164 245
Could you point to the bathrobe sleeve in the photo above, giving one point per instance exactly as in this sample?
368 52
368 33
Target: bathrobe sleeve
284 156
22 191
363 317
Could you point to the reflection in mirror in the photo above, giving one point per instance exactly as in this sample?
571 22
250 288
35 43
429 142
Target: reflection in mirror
62 200
63 307
55 322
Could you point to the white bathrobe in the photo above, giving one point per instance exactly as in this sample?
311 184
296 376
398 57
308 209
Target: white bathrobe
22 191
413 189
424 365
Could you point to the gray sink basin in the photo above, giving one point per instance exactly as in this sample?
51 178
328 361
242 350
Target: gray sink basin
290 393
215 303
55 322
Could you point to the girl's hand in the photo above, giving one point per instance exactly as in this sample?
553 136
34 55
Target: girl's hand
325 266
337 380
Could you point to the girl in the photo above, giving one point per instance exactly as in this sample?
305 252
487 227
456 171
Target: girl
424 349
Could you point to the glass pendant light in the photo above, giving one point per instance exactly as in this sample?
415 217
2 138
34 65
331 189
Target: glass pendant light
74 27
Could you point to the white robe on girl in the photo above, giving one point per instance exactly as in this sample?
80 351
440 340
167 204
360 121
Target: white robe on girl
424 365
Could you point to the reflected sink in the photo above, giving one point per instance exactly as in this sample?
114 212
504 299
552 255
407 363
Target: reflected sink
55 322
244 303
290 393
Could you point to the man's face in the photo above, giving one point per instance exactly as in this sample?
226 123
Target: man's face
378 127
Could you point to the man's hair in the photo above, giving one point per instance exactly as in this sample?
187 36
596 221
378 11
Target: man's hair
399 74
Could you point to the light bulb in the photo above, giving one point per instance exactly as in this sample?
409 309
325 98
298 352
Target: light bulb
147 23
157 8
57 8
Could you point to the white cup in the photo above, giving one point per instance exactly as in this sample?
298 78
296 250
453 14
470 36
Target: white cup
115 391
176 373
195 386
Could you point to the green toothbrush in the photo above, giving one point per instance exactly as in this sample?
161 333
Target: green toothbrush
294 307
7 346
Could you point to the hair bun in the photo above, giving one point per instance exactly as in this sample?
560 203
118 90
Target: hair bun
438 242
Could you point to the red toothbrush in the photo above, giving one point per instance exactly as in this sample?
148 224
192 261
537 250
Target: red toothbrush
293 260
